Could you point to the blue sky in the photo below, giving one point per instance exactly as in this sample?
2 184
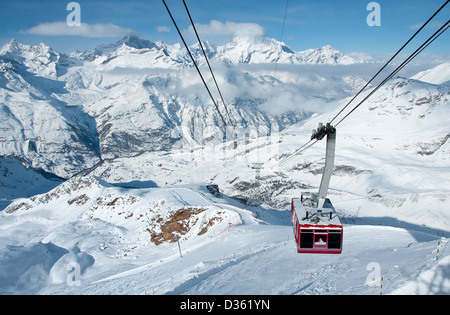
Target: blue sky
309 23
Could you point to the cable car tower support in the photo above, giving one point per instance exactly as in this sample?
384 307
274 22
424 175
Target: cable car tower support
255 198
318 203
319 134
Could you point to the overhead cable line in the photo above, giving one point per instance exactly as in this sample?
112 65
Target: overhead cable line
207 61
195 63
390 60
200 74
408 60
217 85
299 150
444 28
281 40
430 40
309 144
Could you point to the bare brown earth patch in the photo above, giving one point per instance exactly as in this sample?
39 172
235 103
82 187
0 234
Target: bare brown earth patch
176 225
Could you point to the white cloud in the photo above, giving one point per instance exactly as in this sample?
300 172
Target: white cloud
229 28
84 30
163 29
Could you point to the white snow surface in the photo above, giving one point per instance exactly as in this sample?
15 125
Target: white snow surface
92 234
437 75
240 255
394 215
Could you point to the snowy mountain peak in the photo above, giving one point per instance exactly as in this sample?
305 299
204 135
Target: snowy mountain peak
40 59
248 41
210 50
255 49
12 46
326 55
132 51
239 50
134 41
259 49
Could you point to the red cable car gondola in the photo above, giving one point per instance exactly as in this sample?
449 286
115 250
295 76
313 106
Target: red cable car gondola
318 232
316 225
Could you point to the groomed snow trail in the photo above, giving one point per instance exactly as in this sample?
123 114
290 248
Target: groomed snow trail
254 260
242 254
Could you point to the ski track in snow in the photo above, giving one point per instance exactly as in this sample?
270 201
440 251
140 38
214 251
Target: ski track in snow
267 263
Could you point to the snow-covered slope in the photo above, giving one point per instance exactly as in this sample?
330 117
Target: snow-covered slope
86 215
438 75
37 127
111 235
133 117
16 181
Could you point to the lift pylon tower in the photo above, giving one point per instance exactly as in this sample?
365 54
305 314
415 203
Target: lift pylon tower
319 134
255 198
258 167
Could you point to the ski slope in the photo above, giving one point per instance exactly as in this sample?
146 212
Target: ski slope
242 254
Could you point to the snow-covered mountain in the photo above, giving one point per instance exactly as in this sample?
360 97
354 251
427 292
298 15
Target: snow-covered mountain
259 50
255 50
134 50
241 49
251 50
404 121
135 96
40 59
133 120
37 127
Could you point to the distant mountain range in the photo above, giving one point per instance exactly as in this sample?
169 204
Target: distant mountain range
240 49
65 113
